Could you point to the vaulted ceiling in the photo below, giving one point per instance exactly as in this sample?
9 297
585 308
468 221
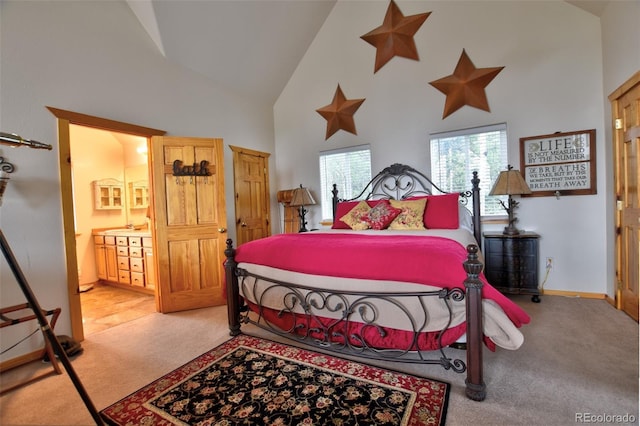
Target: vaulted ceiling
249 46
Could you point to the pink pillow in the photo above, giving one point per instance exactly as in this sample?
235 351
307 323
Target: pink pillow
342 209
442 211
380 216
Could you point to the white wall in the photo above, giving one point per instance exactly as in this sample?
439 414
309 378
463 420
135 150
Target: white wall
94 58
552 81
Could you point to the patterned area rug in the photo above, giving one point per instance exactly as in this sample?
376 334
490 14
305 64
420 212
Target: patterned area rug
253 381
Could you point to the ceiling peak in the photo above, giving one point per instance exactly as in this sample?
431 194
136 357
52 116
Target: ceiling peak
144 11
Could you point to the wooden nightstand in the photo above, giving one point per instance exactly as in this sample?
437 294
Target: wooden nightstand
511 263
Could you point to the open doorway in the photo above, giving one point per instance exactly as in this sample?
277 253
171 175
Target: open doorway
65 119
110 180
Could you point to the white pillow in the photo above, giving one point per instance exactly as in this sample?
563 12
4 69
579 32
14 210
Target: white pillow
466 218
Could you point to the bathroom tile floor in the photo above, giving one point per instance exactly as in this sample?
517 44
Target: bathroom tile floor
105 306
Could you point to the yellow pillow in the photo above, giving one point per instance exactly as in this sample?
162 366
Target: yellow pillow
354 217
412 216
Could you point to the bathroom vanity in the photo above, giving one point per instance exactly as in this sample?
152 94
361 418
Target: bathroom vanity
124 257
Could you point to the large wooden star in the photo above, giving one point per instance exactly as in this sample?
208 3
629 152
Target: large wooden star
339 113
466 86
395 36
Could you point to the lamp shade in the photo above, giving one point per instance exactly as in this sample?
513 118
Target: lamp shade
302 197
510 182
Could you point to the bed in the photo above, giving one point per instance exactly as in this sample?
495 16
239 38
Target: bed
397 277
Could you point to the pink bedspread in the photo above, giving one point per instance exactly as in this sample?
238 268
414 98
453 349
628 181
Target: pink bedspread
434 261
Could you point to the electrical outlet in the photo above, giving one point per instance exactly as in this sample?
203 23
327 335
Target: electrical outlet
549 262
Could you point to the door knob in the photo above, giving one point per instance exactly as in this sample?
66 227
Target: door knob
244 224
222 230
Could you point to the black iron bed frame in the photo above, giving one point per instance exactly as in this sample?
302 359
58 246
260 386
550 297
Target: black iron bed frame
397 182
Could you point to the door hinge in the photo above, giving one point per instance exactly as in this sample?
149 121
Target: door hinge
618 124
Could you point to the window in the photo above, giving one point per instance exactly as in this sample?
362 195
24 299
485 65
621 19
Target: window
456 155
349 169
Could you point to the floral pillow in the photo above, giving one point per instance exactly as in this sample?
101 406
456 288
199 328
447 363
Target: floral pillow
354 217
380 216
342 209
412 216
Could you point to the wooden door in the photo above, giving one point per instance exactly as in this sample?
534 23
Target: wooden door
187 181
625 108
251 184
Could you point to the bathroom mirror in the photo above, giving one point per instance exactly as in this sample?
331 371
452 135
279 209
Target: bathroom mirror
136 184
136 178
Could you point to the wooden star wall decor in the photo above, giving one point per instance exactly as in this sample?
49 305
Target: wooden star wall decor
466 86
395 36
339 113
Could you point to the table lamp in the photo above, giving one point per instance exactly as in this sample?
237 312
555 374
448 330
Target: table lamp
302 197
510 182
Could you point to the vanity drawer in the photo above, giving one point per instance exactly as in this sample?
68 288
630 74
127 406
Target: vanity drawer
135 251
123 262
137 278
147 242
122 251
122 241
136 264
124 277
98 239
135 241
110 240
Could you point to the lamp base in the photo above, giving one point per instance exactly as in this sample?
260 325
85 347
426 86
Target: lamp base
511 230
303 223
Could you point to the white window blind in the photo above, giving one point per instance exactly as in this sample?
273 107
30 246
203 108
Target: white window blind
456 155
349 169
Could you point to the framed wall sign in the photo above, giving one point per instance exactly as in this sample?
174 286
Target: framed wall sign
559 163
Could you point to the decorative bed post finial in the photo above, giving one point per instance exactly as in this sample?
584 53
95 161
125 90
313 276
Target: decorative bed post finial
473 266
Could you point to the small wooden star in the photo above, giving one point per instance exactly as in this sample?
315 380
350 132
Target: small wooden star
466 86
395 36
339 113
